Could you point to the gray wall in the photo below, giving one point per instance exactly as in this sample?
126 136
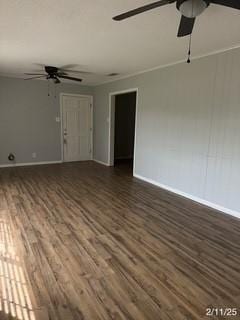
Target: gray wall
125 106
27 119
188 127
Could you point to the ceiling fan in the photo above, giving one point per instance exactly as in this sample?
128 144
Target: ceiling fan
55 74
189 9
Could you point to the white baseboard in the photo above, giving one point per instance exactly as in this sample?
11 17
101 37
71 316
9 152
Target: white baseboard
191 197
28 164
101 162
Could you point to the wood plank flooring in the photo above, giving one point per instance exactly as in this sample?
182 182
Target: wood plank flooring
86 242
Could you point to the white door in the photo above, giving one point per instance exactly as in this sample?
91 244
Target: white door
77 128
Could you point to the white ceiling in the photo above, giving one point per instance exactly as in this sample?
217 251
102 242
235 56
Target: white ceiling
60 32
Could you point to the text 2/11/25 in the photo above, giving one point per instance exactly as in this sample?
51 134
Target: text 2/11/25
222 312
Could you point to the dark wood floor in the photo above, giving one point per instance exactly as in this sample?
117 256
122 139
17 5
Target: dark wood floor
83 241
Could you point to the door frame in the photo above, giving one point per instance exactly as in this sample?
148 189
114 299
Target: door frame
62 94
111 129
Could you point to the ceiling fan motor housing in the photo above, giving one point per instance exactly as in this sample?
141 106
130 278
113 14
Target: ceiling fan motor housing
52 74
51 70
192 8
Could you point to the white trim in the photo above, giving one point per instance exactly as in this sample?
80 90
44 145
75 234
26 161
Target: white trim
61 95
93 85
101 162
130 75
28 164
75 95
111 124
191 197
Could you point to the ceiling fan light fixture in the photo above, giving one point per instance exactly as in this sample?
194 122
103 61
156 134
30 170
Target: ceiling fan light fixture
192 8
56 80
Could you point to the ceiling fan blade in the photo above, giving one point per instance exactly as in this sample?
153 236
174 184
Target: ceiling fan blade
43 76
142 9
235 4
70 78
186 26
35 74
74 71
38 70
40 64
68 66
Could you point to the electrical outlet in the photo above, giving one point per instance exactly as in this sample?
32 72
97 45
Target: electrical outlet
57 119
34 155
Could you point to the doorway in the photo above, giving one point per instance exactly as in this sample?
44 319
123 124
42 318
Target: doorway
122 126
76 127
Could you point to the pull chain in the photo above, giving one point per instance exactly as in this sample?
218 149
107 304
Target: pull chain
189 49
190 42
55 89
48 89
